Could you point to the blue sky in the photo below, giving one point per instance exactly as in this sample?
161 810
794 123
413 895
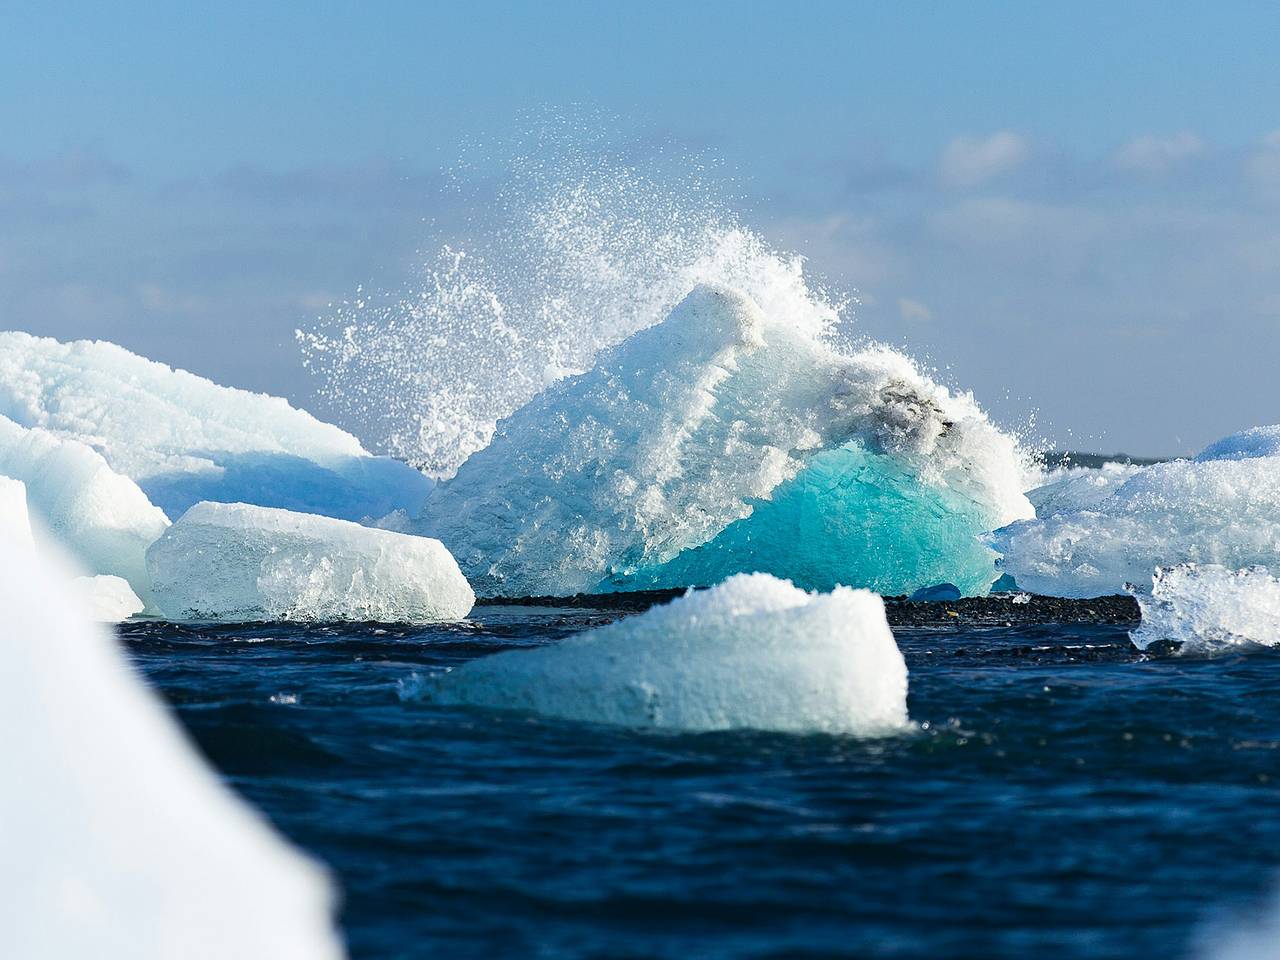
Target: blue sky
1072 208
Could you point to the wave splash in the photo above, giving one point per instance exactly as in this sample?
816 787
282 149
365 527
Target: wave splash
584 250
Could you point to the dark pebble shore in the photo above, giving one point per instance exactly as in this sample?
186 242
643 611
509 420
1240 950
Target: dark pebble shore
996 610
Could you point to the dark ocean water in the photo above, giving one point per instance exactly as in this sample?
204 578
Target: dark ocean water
1064 798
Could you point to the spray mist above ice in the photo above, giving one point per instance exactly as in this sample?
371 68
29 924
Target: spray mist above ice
581 245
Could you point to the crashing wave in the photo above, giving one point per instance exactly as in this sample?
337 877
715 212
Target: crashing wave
752 653
118 843
1221 508
184 439
733 437
1210 609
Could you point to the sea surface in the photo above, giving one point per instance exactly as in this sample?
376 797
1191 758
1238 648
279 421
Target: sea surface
1064 796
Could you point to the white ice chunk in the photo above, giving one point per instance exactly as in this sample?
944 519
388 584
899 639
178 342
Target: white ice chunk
1208 609
1251 938
1078 488
108 599
1222 508
236 562
727 439
183 438
99 516
754 652
15 524
118 843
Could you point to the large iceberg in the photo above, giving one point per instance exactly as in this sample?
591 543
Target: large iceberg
1209 609
184 439
726 439
754 652
1221 508
236 562
118 843
96 514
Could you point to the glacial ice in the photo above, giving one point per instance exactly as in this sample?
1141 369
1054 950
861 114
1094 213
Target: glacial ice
754 652
184 439
728 439
118 843
1221 508
99 516
1208 609
15 523
236 562
1253 938
108 599
1077 488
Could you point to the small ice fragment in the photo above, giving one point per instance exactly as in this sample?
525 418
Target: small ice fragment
108 599
1207 609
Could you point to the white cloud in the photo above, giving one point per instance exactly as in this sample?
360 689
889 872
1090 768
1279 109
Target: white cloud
1151 154
1264 165
913 310
969 161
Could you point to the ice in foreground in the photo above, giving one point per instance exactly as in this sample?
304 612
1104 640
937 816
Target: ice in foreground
184 439
1210 609
728 439
754 652
236 562
118 843
15 524
1221 508
96 514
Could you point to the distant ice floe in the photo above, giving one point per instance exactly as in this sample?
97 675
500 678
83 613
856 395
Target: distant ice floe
1095 537
108 599
236 562
118 843
754 652
1210 609
98 515
184 439
732 438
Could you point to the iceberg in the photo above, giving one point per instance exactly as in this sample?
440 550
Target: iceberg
184 439
96 514
727 439
237 562
15 524
754 652
119 844
108 599
1207 609
1221 508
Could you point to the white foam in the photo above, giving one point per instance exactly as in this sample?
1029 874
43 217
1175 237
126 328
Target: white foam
96 514
1209 609
1222 508
237 562
754 652
695 423
183 438
118 843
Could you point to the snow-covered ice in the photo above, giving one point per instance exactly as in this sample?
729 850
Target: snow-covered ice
184 439
1208 609
236 562
1221 508
118 843
96 514
754 652
727 439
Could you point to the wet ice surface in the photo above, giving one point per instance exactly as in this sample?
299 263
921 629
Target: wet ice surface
1068 795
